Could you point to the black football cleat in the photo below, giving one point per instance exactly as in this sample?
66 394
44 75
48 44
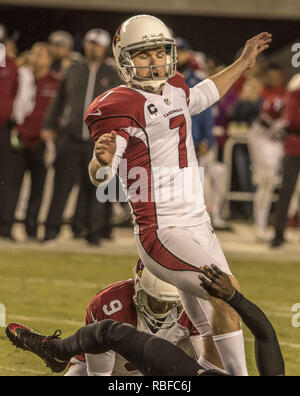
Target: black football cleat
277 241
27 339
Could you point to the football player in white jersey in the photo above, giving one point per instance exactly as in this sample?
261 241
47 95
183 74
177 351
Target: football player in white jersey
142 131
149 305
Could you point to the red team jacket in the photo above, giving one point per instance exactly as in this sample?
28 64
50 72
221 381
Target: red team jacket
8 90
46 88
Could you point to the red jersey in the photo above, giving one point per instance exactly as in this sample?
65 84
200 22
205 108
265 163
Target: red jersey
116 302
8 89
46 88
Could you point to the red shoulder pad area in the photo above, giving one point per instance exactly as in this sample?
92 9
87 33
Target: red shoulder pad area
114 302
178 82
115 109
185 321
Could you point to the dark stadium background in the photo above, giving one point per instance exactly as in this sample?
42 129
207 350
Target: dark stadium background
217 36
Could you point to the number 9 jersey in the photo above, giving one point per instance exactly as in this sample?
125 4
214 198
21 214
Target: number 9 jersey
155 155
116 302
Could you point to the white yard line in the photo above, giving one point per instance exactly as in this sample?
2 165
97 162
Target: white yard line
279 314
25 319
23 370
277 306
281 343
53 282
289 344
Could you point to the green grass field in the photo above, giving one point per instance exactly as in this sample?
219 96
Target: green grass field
48 290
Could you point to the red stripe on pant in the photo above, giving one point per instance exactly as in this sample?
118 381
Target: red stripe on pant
159 253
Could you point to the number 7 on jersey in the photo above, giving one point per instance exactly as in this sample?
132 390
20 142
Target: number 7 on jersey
179 122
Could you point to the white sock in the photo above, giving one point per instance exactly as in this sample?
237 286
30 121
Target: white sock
232 351
209 366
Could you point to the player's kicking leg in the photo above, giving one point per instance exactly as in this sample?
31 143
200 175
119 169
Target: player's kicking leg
175 256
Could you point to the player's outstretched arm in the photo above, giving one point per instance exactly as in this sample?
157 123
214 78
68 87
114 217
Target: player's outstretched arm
105 149
268 355
226 78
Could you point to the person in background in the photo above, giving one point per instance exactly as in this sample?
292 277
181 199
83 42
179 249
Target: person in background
23 59
246 110
291 160
266 148
294 209
37 87
204 140
11 47
249 102
61 45
8 91
223 110
82 82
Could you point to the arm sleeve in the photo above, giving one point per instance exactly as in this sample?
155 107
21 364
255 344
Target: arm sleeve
268 355
202 96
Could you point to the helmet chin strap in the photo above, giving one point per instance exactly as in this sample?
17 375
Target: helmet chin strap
151 86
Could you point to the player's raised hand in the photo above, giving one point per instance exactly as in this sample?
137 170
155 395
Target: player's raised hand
254 47
105 148
216 282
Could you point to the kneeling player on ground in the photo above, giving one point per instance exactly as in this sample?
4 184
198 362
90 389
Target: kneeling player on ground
150 354
149 305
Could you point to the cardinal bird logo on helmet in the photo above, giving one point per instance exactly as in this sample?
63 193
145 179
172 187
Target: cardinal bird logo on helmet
139 267
116 38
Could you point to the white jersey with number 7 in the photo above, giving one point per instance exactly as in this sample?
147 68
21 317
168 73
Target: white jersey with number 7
155 156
